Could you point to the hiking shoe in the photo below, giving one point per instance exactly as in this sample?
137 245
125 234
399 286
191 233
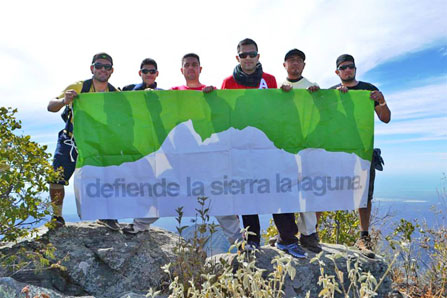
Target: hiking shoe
57 222
311 242
131 229
111 224
293 249
365 246
272 241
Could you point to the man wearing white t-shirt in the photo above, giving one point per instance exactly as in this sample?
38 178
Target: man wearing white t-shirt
294 65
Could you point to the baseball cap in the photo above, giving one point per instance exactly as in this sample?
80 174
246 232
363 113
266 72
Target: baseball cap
294 52
102 56
344 58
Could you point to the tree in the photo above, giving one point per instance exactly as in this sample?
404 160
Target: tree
24 175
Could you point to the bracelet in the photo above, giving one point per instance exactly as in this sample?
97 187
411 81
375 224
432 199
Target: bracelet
382 104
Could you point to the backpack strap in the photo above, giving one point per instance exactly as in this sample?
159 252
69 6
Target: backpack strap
86 85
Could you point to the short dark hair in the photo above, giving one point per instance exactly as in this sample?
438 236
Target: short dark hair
190 55
246 42
344 58
149 61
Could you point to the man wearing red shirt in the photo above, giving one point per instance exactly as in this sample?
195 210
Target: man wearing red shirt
191 70
248 74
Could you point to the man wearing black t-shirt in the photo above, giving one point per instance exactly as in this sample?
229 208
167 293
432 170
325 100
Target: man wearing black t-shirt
346 70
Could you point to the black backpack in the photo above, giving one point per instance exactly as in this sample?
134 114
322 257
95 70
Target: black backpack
86 85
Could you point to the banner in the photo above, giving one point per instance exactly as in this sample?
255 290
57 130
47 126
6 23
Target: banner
146 153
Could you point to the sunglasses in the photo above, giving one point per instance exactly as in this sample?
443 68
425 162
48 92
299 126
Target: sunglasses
343 67
100 65
251 54
151 71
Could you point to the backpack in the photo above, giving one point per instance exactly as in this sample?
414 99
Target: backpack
86 85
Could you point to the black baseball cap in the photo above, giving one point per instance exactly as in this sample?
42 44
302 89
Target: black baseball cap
344 58
102 56
295 52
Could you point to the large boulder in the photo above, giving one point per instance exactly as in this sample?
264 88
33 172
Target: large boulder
102 263
308 274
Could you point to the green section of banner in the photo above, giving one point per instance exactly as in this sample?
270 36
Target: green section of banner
113 128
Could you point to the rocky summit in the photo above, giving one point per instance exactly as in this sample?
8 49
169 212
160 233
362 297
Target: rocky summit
97 262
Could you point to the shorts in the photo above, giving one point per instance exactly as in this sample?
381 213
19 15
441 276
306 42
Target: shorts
65 157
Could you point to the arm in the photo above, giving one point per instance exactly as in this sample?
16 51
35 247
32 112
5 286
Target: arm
58 103
382 110
208 89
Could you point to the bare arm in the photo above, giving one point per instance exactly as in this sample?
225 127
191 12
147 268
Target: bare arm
58 103
382 110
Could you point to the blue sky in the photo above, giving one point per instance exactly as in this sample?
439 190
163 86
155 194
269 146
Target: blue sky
399 46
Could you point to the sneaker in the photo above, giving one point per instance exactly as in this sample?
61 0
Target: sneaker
131 229
57 222
111 224
272 241
365 246
311 242
293 249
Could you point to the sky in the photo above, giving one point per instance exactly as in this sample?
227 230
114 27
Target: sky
399 46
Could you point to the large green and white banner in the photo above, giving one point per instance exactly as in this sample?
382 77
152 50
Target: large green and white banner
145 153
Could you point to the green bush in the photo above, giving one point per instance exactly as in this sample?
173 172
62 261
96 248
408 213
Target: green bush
24 175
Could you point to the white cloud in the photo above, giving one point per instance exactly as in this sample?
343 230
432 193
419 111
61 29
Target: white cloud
48 50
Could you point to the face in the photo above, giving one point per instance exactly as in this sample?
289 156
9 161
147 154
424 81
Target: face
100 73
191 69
346 71
248 64
151 74
294 66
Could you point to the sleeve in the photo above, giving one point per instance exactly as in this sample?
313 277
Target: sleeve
76 87
274 85
224 84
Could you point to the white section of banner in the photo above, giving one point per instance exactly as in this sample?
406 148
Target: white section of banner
240 171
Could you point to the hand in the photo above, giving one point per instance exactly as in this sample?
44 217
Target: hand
342 89
377 96
208 89
69 96
286 87
313 88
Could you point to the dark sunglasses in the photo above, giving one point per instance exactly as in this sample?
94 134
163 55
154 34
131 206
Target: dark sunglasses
151 71
100 65
343 67
251 54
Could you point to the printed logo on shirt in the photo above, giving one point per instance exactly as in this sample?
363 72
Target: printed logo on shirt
263 84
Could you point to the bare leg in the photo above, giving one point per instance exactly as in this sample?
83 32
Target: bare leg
57 194
364 216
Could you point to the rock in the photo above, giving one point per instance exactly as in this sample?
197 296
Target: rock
103 263
10 288
100 262
307 274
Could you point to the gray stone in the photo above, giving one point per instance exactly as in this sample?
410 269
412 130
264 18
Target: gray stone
100 262
10 288
307 274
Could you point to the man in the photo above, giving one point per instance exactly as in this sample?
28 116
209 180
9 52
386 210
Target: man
148 73
191 70
294 65
248 74
66 153
346 70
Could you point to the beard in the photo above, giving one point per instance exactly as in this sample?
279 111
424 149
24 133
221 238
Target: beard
348 79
